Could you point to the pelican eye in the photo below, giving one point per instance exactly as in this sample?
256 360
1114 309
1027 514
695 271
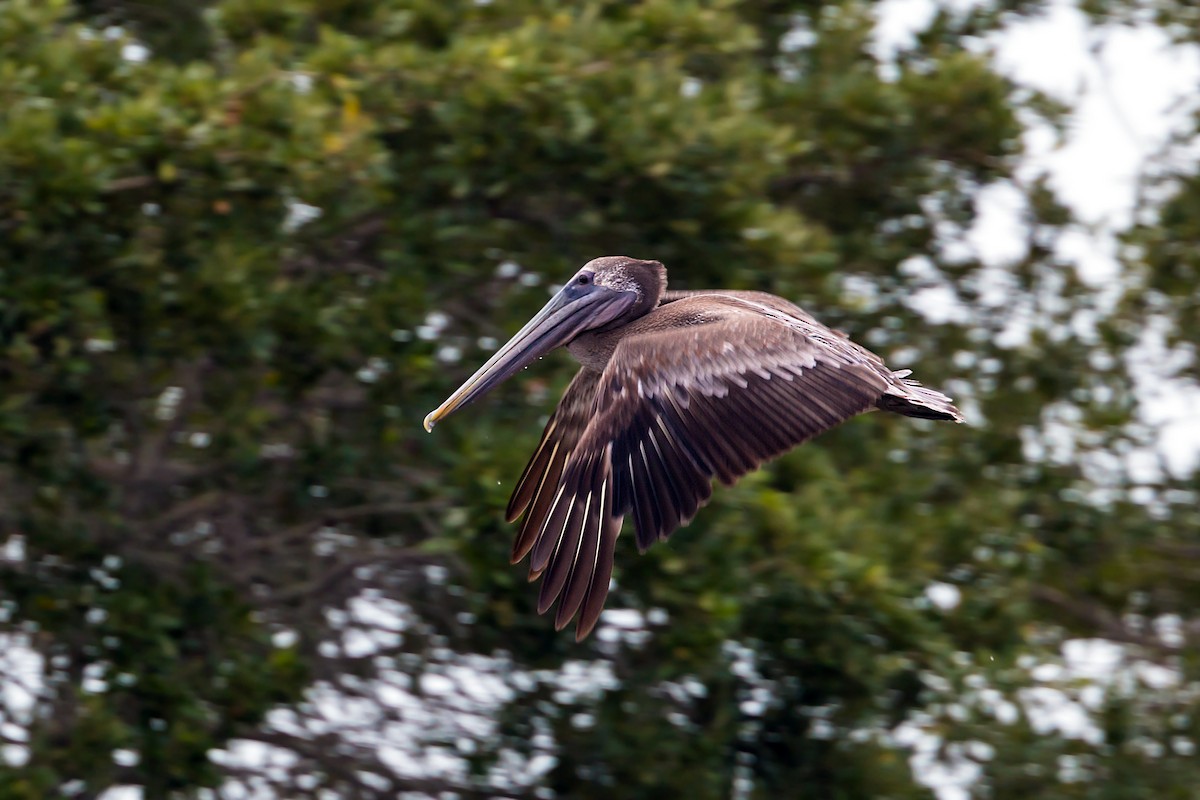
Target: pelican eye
584 279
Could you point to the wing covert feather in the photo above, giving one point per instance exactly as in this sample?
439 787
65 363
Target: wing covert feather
741 385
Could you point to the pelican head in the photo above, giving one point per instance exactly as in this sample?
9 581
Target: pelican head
607 291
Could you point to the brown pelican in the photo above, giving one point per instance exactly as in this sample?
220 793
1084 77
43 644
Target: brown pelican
675 388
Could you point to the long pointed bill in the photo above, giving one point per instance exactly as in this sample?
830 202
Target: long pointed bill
570 312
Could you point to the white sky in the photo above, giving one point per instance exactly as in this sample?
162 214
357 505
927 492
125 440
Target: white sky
1131 89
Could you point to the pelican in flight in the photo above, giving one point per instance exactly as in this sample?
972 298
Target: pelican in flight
675 388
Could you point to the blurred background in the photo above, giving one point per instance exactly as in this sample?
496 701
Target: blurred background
245 246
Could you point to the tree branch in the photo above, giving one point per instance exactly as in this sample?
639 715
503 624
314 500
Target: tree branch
1106 623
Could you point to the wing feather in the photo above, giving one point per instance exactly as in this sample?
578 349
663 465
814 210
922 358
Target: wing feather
597 590
584 565
538 484
705 387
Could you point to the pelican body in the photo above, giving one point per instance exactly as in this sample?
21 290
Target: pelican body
675 388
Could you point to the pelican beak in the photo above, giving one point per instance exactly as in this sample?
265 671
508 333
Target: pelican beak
571 311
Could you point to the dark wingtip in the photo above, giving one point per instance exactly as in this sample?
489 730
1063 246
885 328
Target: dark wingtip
911 399
524 541
546 598
585 626
561 621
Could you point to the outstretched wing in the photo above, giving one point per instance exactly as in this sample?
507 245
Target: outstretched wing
587 520
743 385
701 388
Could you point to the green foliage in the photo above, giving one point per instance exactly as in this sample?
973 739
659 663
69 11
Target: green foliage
236 274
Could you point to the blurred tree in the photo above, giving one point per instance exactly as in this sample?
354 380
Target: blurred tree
246 245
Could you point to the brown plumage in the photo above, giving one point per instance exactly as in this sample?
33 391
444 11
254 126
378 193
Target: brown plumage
676 388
